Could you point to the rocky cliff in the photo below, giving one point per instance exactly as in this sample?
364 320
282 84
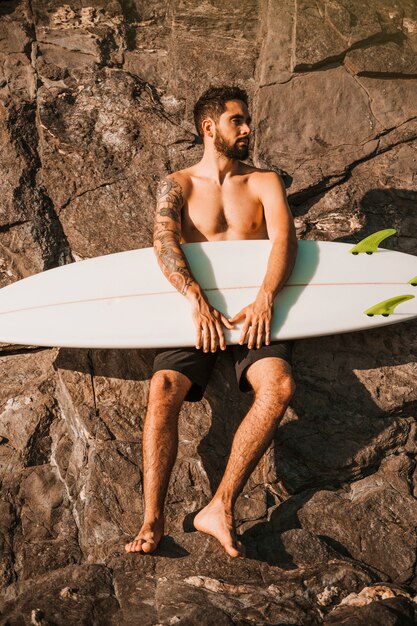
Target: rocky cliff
96 101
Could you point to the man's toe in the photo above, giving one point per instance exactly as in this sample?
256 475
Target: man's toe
231 550
136 545
238 545
139 545
149 545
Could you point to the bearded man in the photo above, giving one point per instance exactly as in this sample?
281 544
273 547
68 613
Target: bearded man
218 198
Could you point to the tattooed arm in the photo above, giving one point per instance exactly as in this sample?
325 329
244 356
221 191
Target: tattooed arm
172 261
167 235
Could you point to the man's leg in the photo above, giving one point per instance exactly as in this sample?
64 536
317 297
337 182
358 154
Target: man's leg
160 446
273 385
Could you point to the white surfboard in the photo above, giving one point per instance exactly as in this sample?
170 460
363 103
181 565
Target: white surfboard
123 300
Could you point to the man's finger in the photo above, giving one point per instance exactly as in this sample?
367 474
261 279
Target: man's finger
220 335
252 336
226 322
267 332
213 338
244 331
238 316
260 334
206 338
199 338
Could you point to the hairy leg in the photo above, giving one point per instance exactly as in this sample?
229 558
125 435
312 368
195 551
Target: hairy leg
160 446
273 386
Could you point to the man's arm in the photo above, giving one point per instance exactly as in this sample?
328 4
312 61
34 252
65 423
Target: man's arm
281 232
167 235
172 261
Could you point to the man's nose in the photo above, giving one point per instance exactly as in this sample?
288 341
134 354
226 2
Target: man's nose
246 129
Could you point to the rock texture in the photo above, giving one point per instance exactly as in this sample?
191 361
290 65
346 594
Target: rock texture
96 103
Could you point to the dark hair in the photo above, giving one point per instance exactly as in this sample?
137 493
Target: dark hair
212 103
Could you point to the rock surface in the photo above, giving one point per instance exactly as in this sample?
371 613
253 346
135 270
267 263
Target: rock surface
96 105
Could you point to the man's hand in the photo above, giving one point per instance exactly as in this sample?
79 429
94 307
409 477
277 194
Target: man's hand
208 322
257 320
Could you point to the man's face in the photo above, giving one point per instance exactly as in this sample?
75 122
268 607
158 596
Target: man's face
233 130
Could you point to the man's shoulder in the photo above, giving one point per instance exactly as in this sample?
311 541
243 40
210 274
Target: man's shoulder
180 178
259 172
179 174
263 178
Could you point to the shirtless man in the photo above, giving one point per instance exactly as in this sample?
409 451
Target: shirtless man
219 198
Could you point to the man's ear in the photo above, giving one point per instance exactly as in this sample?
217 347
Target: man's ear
208 126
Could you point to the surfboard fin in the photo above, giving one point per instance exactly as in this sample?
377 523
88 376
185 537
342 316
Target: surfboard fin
387 307
370 244
413 281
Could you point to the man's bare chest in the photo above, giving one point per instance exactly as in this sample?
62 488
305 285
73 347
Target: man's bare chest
210 213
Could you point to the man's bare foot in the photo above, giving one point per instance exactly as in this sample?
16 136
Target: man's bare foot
148 537
215 521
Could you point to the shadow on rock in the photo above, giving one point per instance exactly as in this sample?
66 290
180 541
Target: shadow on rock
123 364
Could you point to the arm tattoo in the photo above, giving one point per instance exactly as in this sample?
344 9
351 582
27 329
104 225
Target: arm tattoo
167 235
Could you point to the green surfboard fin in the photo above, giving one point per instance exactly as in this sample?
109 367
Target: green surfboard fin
370 244
413 281
386 307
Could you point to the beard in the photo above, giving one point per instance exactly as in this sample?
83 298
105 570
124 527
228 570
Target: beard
231 151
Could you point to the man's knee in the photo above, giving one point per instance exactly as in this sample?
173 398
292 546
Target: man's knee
287 386
280 390
272 381
170 384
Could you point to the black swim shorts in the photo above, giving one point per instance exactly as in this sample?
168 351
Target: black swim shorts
198 365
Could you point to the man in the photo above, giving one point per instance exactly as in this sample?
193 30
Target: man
219 198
